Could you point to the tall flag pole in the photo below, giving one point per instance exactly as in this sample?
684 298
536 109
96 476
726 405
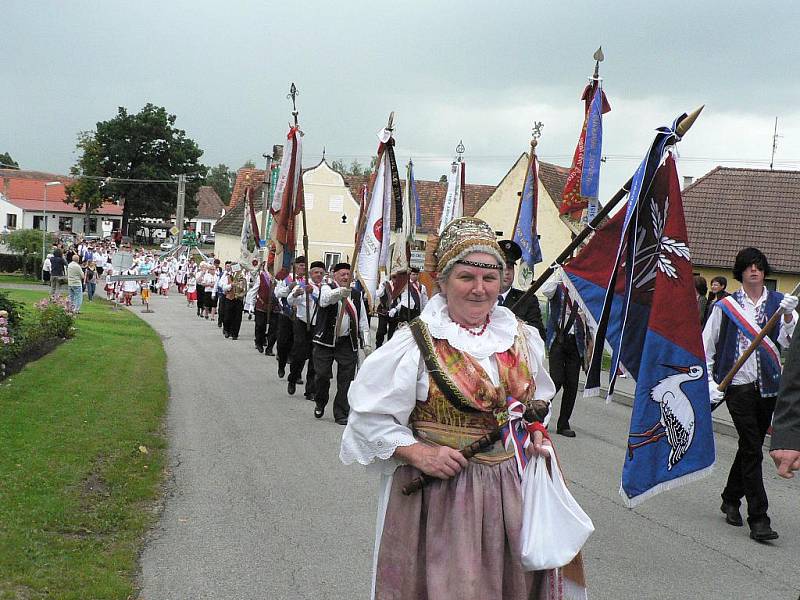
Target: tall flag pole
583 182
525 226
634 281
372 253
287 201
453 207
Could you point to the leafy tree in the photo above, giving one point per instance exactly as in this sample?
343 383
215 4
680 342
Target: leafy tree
249 164
221 178
28 241
144 146
6 162
355 168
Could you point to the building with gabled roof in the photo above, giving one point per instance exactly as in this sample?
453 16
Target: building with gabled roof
210 208
555 231
732 208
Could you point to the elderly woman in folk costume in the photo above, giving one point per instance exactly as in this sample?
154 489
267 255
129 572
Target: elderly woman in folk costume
463 369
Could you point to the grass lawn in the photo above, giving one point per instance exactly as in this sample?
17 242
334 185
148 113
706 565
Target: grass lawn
77 488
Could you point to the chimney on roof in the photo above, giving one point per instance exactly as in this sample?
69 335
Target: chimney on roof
687 181
277 153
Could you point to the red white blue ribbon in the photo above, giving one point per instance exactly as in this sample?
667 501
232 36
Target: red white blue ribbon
515 433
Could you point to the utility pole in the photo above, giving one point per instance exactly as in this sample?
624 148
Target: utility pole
181 204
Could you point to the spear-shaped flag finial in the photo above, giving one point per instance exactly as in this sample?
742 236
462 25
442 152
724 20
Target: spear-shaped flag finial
598 57
684 125
292 95
390 124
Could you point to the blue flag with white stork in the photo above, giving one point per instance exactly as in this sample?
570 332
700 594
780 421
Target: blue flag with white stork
635 282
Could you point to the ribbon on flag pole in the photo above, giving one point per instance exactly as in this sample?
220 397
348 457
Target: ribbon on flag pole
453 207
372 252
287 203
525 229
583 181
644 310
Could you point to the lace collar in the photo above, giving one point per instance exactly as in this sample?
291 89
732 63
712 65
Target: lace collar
498 337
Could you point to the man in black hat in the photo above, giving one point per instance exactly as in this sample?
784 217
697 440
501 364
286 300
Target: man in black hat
341 324
304 300
411 300
528 311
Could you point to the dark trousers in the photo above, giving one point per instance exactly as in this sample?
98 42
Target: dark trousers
272 331
565 366
751 416
301 352
285 339
346 359
386 329
221 302
260 337
232 319
201 291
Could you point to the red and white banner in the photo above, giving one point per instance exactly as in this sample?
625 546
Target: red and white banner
287 203
373 251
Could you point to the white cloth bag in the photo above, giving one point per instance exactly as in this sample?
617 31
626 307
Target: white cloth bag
554 526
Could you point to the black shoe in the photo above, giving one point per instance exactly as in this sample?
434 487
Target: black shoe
219 324
269 352
319 411
249 317
226 334
566 432
341 421
309 396
760 531
292 388
300 381
281 372
732 515
234 337
260 349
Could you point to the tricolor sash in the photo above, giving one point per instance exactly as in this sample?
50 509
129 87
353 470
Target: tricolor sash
750 329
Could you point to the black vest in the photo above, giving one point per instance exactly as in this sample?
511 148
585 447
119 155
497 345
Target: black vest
325 328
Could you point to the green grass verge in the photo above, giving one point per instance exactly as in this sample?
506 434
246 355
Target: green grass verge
76 492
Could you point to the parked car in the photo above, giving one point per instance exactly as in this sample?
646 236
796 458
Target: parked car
166 246
207 238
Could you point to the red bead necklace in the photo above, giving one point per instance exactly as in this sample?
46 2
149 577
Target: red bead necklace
481 331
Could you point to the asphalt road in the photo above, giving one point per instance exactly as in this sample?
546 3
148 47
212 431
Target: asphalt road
258 505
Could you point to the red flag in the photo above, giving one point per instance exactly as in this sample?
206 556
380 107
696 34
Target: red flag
572 200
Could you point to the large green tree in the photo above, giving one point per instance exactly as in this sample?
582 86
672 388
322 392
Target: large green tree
144 146
221 178
6 162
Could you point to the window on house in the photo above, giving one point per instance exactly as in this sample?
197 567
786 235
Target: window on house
205 227
38 222
331 258
771 284
11 221
309 200
92 226
336 204
65 223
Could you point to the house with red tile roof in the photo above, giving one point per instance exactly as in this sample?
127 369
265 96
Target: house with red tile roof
730 208
210 209
26 202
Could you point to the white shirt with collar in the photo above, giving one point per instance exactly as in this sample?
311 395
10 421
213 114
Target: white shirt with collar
749 371
328 296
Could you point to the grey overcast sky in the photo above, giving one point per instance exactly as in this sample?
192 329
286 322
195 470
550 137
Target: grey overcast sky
477 71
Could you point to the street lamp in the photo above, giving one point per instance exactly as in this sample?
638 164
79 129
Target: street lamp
44 221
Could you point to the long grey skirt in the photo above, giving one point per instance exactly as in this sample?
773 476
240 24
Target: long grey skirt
458 538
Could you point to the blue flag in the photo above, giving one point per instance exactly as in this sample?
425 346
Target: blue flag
653 331
593 148
525 234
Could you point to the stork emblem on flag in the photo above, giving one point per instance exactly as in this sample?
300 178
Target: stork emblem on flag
643 305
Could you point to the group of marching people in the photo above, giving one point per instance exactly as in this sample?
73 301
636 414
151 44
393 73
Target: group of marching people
313 318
